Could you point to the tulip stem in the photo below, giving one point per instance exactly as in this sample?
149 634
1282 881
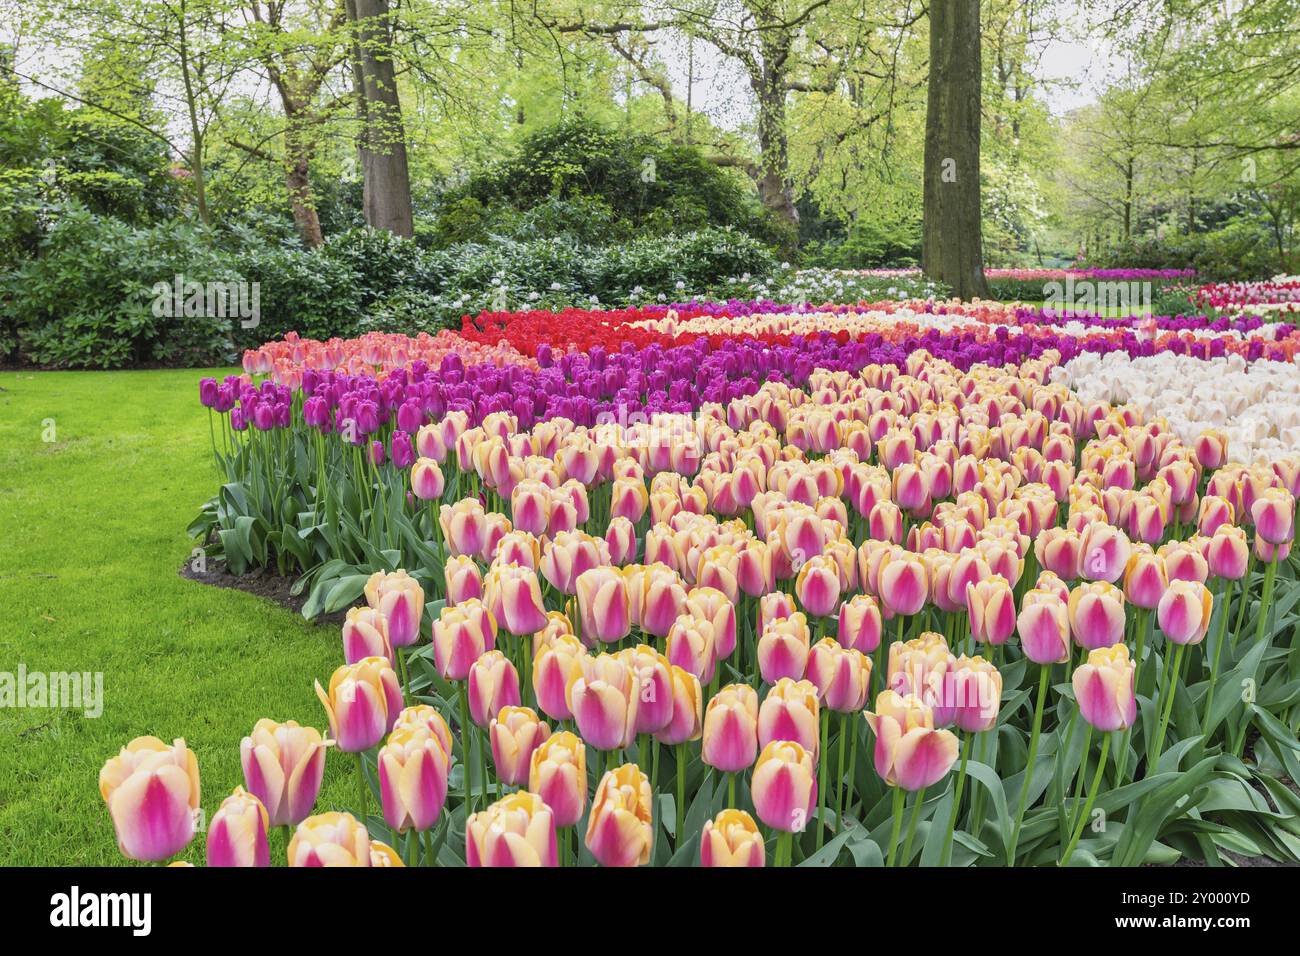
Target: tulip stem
362 789
784 852
1082 772
1219 637
406 679
681 795
731 790
1142 615
1265 600
1044 673
899 796
945 854
850 726
1092 798
465 747
1170 687
839 782
821 782
917 800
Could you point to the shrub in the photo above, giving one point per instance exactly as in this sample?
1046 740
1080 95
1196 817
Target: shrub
87 301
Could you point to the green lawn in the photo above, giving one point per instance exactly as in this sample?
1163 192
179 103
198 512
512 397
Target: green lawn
92 532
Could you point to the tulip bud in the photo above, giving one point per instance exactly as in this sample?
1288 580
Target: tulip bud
818 586
922 667
365 634
400 599
1273 514
790 712
1227 553
977 692
687 709
152 793
568 555
558 774
783 648
1103 688
330 839
620 537
514 597
731 838
462 634
859 626
362 703
1044 627
283 765
909 752
620 829
604 696
427 482
516 831
991 609
1145 578
784 786
1105 553
237 833
1097 615
662 600
383 856
464 527
903 583
731 729
515 733
492 683
841 675
413 768
603 605
1184 612
463 579
553 666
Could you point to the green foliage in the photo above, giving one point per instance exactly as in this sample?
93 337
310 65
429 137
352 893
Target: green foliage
871 243
1241 250
635 183
87 302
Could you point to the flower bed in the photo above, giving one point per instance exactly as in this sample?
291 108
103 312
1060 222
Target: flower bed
737 585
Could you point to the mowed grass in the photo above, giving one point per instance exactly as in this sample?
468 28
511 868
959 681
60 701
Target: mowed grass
92 533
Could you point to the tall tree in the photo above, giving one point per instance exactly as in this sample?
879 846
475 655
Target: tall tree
952 249
386 178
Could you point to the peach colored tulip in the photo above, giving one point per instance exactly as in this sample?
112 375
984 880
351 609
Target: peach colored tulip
686 722
462 634
400 599
841 675
1097 615
283 766
909 751
553 666
783 648
732 838
619 830
1184 612
463 579
237 833
362 703
516 831
603 604
784 786
1103 688
515 733
514 597
330 839
604 697
790 712
413 767
492 683
365 634
152 793
558 774
730 729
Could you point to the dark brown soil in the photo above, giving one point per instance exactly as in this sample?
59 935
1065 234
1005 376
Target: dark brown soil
264 584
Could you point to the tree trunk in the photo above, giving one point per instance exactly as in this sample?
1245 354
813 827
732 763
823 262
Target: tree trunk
297 159
386 193
951 244
774 189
